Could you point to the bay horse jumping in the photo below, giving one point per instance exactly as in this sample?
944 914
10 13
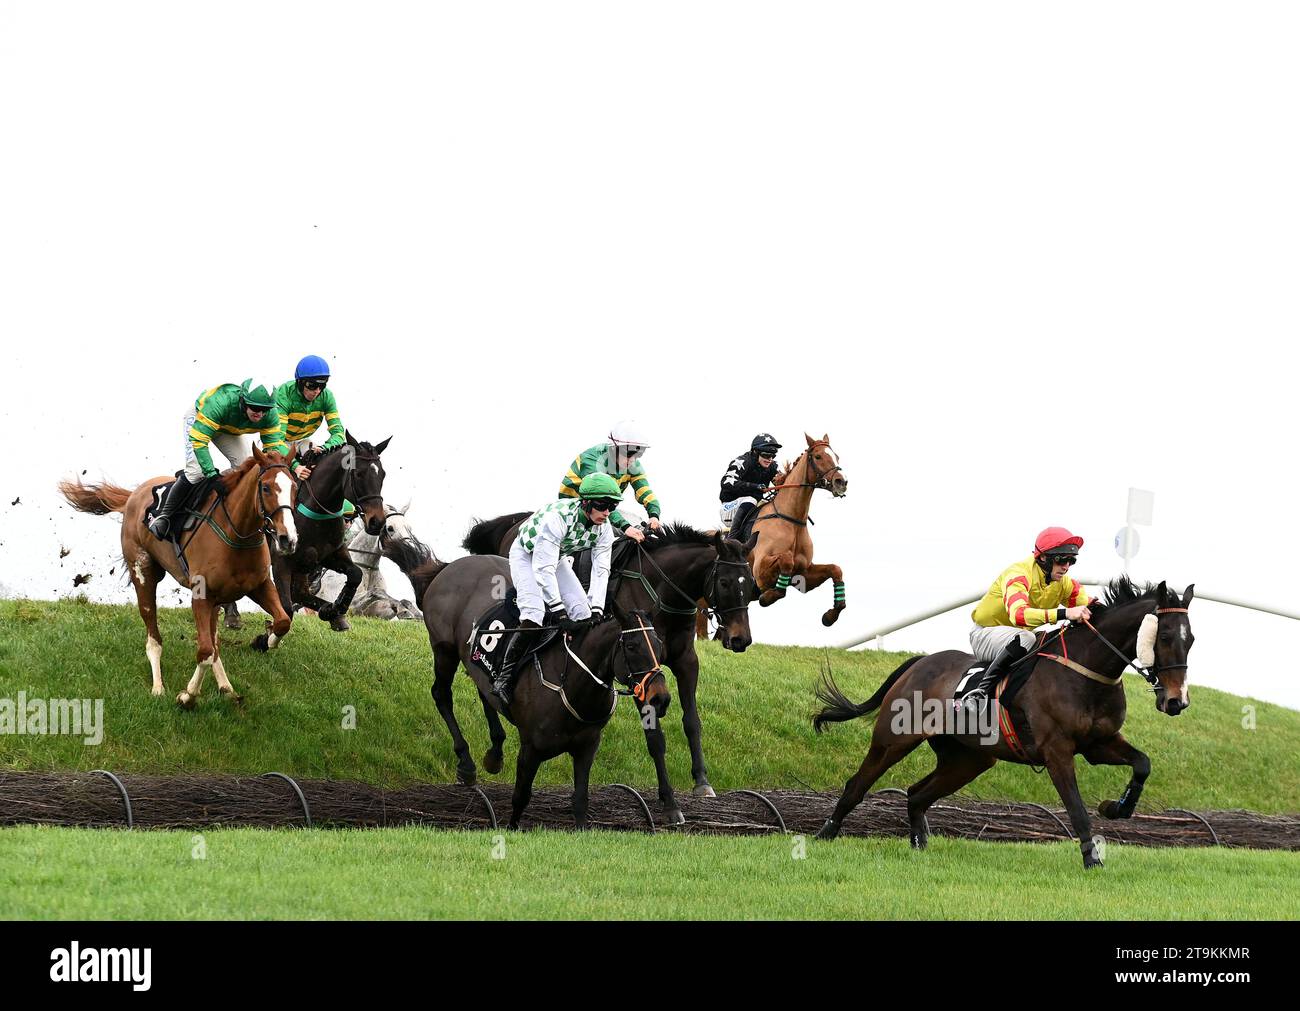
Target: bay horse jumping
782 556
1073 703
560 706
226 556
352 471
667 575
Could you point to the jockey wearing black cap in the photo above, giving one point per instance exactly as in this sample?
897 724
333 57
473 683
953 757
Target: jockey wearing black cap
747 478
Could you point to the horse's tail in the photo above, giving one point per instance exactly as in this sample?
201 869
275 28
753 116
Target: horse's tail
839 708
417 560
484 537
100 499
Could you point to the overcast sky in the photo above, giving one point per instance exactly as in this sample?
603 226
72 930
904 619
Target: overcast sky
1013 258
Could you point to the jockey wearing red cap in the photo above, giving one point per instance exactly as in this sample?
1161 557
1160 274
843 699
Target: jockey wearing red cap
1035 591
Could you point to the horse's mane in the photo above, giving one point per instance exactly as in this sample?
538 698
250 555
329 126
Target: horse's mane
232 477
676 533
785 470
1120 591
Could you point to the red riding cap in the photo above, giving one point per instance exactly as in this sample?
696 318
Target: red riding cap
1056 537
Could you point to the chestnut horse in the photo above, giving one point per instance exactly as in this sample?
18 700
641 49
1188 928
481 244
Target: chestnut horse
226 556
783 554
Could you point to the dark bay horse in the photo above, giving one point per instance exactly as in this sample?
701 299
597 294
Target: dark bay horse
667 575
227 556
1072 704
352 471
561 707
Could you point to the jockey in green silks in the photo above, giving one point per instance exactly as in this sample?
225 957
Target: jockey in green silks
304 403
222 416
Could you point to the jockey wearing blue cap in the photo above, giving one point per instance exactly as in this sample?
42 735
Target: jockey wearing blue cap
304 402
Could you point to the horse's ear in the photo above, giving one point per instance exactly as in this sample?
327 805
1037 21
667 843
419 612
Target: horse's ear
1187 594
810 439
351 441
406 508
383 446
259 456
1162 592
752 543
826 437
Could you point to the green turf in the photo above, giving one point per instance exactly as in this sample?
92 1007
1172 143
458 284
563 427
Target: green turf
755 709
414 873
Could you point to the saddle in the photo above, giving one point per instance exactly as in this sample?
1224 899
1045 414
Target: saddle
620 556
185 517
488 643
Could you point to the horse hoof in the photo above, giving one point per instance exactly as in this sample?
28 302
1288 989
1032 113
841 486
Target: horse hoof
1109 809
262 643
233 623
674 817
919 842
340 624
466 778
232 696
185 700
156 692
1090 862
828 831
492 762
830 617
703 790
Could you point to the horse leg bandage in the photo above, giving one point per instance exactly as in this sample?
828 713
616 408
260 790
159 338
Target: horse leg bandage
839 594
783 582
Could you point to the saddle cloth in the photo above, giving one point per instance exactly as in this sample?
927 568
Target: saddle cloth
184 517
488 643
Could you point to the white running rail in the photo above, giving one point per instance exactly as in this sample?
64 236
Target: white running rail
878 634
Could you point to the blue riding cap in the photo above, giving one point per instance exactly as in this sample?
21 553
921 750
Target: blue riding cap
312 367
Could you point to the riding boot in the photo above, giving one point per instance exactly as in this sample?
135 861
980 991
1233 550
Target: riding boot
161 525
501 684
1011 652
738 520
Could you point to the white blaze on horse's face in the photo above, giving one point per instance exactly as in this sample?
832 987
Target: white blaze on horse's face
284 497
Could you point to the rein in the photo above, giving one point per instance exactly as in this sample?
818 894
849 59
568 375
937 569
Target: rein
638 690
243 541
820 482
1152 676
349 477
710 582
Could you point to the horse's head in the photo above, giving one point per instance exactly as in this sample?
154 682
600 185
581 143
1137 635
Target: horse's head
365 477
396 527
1163 647
636 661
729 590
277 494
822 468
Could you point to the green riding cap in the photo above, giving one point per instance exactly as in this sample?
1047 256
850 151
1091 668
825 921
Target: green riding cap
258 398
599 486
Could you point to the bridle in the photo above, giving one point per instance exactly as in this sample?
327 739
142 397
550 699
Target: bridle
712 583
821 479
378 553
349 483
638 690
1152 675
267 528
